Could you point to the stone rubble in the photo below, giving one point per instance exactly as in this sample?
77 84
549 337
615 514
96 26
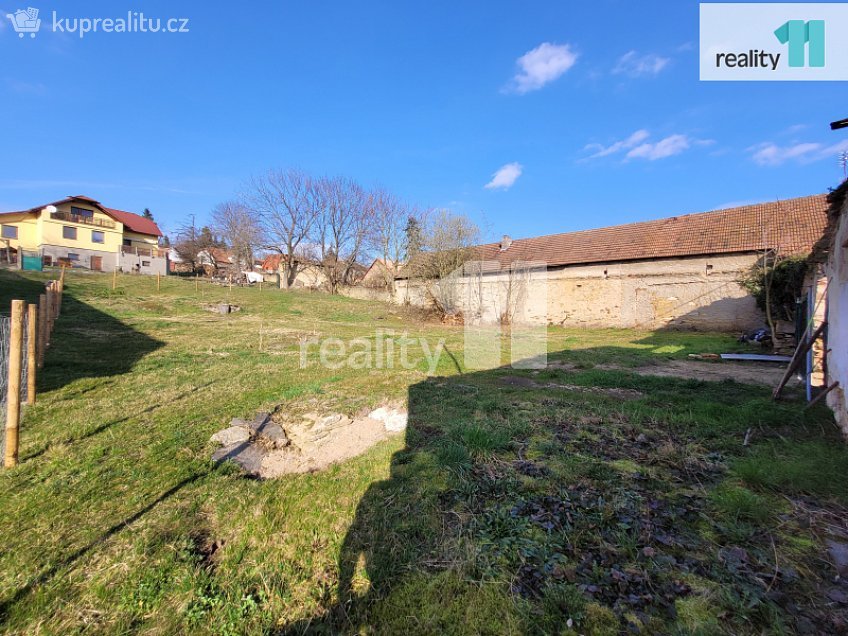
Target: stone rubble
265 448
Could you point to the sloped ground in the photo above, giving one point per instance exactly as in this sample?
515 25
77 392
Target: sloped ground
580 499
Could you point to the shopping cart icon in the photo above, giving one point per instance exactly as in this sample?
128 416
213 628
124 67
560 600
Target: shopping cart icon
25 21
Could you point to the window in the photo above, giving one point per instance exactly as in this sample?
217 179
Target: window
96 237
10 232
73 257
127 242
145 263
47 260
89 214
69 232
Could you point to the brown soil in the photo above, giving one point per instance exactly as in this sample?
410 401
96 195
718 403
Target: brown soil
765 373
745 372
318 442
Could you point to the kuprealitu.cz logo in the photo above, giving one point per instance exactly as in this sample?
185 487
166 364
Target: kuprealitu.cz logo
28 22
25 21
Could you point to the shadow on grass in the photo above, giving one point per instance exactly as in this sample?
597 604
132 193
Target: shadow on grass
86 342
523 500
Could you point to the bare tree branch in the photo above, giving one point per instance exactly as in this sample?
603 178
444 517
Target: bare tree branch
344 228
287 202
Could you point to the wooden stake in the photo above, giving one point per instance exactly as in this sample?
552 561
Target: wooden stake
114 279
13 386
42 328
196 278
62 275
32 360
821 395
797 358
54 303
157 281
260 285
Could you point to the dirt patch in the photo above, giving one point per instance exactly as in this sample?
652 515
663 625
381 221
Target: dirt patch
527 383
765 373
267 448
318 442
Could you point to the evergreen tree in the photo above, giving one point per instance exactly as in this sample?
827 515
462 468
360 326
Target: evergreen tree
414 237
147 214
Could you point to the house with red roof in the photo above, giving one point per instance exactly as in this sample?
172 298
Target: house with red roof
80 232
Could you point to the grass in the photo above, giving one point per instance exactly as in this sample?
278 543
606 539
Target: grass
504 508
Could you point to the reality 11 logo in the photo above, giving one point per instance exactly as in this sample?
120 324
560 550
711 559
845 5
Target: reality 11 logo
798 34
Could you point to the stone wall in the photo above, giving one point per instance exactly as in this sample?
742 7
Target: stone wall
108 260
837 316
363 292
687 293
146 264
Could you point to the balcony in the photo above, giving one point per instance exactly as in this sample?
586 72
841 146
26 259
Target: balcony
84 220
147 252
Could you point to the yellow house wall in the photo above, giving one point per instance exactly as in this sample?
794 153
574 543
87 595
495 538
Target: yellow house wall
28 233
51 231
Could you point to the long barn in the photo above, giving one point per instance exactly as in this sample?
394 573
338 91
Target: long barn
681 271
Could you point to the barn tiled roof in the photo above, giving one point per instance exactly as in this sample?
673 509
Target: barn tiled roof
793 226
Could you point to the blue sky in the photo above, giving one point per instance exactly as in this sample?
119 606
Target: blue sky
594 110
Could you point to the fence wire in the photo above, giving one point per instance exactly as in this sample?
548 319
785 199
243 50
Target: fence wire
5 339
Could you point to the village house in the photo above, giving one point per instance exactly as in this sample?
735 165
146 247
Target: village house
215 261
80 232
309 274
679 272
379 274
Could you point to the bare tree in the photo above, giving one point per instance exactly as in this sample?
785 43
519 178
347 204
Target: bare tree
288 203
392 218
344 227
449 239
188 242
240 228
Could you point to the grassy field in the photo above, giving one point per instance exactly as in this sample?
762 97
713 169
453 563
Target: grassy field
613 503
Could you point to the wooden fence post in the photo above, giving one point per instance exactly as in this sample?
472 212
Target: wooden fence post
51 308
42 328
32 364
157 281
114 278
13 386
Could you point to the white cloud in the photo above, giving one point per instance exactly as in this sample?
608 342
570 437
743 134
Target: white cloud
541 66
505 177
635 65
633 140
667 147
26 88
637 146
770 154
